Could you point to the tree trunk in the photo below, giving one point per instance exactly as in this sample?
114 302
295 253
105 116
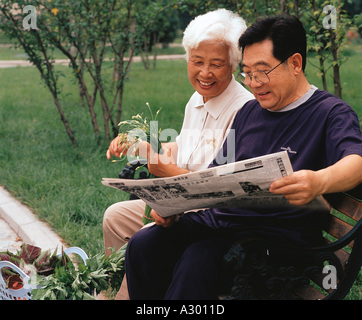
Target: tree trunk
65 122
322 69
336 74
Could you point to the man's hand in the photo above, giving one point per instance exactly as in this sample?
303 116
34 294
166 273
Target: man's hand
163 222
303 186
299 188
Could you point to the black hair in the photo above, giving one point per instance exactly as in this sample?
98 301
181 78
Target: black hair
285 31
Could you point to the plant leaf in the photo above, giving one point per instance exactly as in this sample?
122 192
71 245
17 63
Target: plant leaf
14 281
5 256
29 253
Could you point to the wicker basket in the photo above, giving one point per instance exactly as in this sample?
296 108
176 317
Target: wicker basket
25 292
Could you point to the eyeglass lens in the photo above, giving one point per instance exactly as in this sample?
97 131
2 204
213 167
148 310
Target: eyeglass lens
259 76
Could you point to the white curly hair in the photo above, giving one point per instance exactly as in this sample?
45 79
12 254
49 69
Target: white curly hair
221 26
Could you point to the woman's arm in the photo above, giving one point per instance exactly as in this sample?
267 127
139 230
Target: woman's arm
165 165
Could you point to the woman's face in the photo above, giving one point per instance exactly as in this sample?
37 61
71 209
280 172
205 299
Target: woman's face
209 69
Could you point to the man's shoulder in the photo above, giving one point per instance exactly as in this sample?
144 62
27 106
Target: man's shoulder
251 108
250 104
324 102
326 98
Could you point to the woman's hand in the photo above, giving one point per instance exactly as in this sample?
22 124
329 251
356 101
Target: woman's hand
117 148
120 146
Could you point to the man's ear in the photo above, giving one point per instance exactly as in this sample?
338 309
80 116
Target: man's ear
296 62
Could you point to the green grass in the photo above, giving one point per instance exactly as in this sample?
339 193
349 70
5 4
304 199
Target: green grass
40 167
8 52
61 184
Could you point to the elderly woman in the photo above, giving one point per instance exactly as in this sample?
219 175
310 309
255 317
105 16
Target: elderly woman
212 53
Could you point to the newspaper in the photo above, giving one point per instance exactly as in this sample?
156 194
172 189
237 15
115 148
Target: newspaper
242 184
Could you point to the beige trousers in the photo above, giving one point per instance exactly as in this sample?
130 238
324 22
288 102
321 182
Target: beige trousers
120 222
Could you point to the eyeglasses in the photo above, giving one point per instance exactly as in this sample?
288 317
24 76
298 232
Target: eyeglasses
259 76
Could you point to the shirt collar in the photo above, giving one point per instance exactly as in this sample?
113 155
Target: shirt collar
216 105
298 102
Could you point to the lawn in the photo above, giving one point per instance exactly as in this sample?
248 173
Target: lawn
62 184
40 167
8 52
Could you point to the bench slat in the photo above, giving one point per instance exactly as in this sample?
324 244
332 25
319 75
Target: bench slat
345 204
338 228
343 256
309 293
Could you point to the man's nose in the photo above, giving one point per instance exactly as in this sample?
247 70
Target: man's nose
254 84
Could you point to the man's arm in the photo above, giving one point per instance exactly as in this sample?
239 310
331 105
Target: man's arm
303 186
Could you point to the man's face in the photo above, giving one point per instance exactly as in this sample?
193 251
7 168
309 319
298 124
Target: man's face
277 93
209 69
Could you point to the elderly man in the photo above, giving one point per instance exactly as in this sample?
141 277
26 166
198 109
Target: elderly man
322 134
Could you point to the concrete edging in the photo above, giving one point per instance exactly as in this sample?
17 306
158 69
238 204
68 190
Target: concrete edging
27 225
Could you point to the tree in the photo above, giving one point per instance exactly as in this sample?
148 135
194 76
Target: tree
325 21
96 36
100 37
326 29
35 45
156 22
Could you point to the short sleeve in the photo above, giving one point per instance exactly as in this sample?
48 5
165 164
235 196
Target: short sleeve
343 134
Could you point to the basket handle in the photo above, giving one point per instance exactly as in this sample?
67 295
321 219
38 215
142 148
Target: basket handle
8 264
78 251
22 293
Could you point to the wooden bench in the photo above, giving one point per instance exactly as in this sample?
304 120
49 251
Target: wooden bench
272 271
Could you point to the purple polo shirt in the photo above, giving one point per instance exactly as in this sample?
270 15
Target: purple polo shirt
317 133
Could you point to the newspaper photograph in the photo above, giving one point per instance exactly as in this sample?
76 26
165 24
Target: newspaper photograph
243 184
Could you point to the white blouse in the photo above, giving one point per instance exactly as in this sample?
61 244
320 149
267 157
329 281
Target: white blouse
206 126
